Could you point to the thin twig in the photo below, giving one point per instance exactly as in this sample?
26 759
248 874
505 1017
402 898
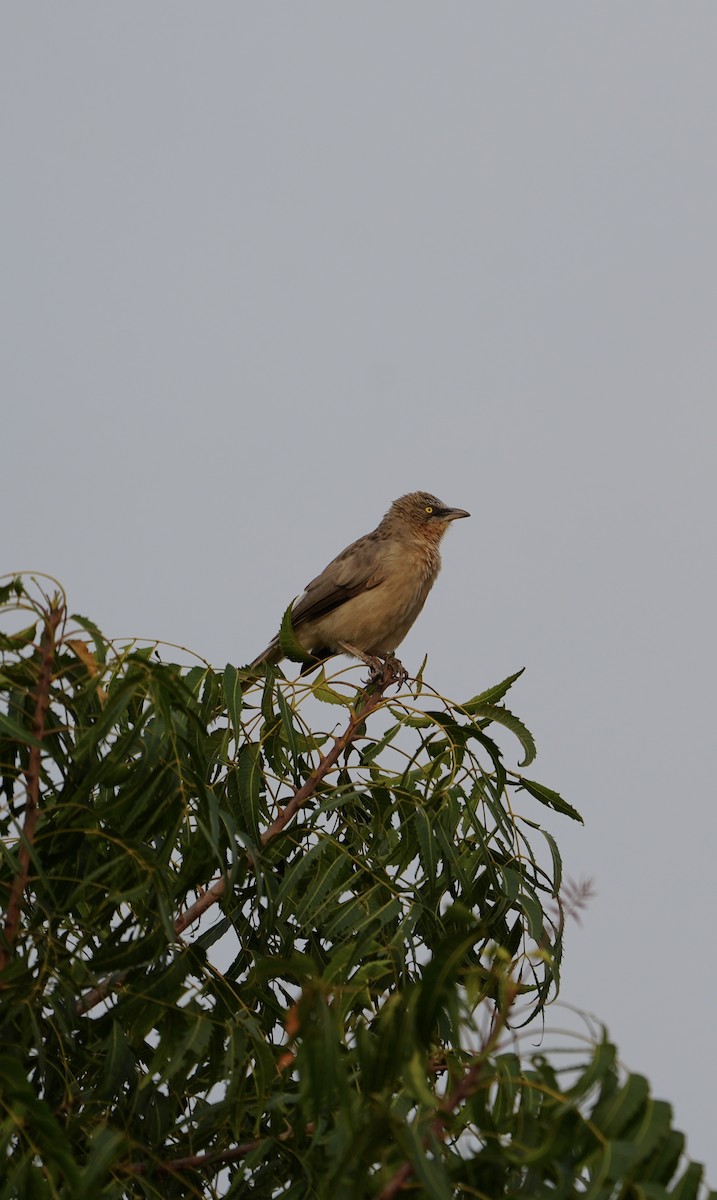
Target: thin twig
53 617
199 1161
325 764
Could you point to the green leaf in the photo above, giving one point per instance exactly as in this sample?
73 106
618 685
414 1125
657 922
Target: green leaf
17 732
428 848
492 694
328 695
290 733
368 948
508 1080
534 915
303 861
233 697
556 859
599 1072
324 891
16 641
32 1119
372 750
291 647
650 1133
107 1146
430 1172
616 1113
688 1186
250 779
119 1062
550 798
95 633
439 976
415 1073
663 1163
15 588
212 935
502 716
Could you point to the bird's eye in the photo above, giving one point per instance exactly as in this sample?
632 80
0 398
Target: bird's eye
429 508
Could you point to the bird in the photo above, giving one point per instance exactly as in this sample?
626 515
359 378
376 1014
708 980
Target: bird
368 597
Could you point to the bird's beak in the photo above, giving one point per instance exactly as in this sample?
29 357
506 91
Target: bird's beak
452 514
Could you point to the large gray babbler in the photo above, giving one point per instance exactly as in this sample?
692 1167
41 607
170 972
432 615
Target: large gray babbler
366 600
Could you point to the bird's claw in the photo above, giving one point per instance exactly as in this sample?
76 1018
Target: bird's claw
386 671
376 669
382 672
397 669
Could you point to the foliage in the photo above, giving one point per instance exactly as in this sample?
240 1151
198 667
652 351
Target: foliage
281 940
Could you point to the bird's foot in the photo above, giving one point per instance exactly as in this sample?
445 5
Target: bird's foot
394 668
384 671
376 669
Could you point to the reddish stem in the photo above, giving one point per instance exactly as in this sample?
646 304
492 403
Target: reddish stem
463 1089
216 890
53 618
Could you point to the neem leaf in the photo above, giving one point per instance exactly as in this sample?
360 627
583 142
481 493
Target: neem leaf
233 696
550 798
493 694
16 641
291 647
503 716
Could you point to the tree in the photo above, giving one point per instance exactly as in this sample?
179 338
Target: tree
285 941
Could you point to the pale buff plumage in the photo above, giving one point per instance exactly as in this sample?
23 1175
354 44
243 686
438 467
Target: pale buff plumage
367 598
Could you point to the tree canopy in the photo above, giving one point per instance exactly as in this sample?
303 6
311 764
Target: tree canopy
295 938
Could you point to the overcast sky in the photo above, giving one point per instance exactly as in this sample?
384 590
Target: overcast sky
266 267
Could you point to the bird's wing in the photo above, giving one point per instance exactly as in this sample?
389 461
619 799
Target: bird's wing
355 570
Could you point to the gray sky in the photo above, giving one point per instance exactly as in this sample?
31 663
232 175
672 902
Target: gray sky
266 267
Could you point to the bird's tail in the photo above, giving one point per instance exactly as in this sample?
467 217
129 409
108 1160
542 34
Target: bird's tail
272 654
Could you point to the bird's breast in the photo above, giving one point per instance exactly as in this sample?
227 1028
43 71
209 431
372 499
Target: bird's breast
378 619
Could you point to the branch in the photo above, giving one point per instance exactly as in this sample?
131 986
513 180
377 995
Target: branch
298 800
199 1161
53 617
193 1160
463 1089
216 890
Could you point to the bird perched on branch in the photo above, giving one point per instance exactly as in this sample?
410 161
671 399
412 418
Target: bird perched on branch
366 600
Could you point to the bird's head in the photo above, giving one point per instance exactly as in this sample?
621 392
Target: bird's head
424 513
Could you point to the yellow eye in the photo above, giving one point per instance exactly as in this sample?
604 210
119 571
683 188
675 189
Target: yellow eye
429 508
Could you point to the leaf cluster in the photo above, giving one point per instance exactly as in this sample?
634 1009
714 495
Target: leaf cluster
281 940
